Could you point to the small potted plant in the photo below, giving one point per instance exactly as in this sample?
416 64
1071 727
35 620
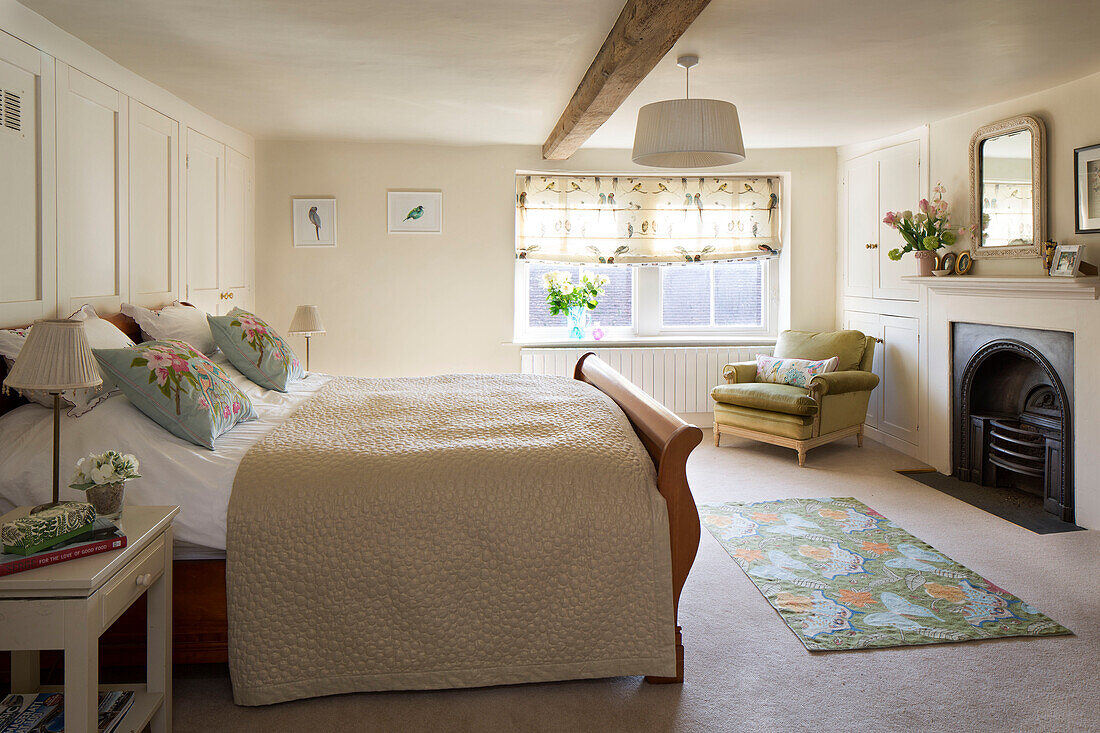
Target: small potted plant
101 478
924 232
576 301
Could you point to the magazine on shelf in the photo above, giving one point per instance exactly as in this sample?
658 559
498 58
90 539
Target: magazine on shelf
44 712
105 537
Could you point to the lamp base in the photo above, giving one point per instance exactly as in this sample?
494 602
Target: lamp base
47 505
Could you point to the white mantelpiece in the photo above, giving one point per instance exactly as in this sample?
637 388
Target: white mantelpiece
1047 288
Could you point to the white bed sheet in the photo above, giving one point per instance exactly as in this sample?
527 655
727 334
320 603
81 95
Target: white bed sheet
173 470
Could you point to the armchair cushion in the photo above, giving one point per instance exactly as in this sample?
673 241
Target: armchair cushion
795 372
847 346
844 382
766 396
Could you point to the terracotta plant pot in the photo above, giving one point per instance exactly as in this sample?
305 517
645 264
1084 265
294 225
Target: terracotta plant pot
926 260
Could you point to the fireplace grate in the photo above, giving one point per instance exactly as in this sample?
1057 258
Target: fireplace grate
1017 446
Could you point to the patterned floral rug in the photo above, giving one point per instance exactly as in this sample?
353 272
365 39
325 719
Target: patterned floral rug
845 577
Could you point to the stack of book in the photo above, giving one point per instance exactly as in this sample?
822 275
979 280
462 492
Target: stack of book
45 711
104 538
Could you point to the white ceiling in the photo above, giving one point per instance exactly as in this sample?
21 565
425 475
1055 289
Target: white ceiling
801 72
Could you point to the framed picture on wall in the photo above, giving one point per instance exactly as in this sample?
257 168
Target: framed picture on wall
414 212
1086 164
314 222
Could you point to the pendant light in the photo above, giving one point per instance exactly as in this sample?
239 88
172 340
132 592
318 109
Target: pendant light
688 133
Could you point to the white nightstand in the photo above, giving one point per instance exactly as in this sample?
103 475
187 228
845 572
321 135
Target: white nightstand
68 605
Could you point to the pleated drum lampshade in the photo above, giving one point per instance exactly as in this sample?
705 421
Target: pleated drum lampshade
55 357
307 319
688 133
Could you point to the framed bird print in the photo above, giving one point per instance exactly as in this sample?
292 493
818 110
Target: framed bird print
414 211
314 222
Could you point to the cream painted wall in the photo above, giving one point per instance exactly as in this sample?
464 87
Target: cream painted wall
402 304
1071 113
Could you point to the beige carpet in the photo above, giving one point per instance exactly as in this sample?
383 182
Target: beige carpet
746 671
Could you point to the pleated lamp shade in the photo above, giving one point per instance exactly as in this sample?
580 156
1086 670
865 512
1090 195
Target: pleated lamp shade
307 319
688 133
55 357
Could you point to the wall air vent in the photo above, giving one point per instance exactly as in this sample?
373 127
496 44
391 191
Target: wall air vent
11 110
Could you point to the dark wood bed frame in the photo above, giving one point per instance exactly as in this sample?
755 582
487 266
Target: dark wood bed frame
199 616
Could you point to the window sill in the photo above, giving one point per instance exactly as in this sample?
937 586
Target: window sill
642 341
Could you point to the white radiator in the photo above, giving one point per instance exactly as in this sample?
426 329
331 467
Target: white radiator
679 377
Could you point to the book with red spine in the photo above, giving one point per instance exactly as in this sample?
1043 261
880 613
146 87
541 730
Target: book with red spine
105 538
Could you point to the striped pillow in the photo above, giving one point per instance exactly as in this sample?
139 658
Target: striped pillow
795 372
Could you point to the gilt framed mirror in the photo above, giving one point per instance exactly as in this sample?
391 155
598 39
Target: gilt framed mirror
1008 188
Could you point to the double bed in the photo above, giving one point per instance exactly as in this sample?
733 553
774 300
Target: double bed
559 507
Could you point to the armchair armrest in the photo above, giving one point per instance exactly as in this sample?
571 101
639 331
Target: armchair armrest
843 382
740 373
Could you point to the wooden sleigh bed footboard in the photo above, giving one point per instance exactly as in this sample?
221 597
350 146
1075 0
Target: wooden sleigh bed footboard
200 619
669 441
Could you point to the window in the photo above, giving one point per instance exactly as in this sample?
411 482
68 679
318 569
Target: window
706 299
688 257
616 308
714 295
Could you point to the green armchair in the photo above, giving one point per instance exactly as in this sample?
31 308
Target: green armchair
833 407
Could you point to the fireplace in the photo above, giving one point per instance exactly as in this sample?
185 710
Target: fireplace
1012 405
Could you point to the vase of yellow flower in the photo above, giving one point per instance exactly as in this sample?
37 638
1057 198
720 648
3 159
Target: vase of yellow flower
575 301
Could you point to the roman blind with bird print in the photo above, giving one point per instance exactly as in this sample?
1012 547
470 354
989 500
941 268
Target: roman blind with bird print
646 220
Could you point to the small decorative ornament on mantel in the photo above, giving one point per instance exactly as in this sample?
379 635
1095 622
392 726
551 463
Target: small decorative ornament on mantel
924 232
1068 262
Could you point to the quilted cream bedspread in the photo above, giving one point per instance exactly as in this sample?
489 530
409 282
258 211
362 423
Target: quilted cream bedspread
454 531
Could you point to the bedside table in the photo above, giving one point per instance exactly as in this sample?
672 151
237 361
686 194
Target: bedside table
68 605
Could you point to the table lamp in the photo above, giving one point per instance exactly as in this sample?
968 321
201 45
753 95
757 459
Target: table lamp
55 357
307 322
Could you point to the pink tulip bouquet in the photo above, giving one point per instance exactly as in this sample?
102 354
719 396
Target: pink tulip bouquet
928 229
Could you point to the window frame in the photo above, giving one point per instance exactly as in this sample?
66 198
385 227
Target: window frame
647 309
769 306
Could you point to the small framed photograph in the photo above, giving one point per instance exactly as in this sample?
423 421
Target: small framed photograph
964 263
414 212
314 222
1067 261
1086 164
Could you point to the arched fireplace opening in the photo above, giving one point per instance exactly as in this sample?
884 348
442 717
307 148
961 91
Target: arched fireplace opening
1014 415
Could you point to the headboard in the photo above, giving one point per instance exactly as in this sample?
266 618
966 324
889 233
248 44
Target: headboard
124 323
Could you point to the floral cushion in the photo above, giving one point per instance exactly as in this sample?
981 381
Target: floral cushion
253 347
795 372
178 388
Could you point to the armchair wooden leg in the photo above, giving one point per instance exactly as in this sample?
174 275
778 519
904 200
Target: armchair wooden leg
801 456
717 435
859 436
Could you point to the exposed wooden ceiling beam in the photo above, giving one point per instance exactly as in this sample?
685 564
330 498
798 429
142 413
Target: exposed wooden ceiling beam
643 34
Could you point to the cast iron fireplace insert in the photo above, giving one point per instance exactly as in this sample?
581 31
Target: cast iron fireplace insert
1013 411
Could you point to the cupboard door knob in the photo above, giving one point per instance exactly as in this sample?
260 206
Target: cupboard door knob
143 579
878 340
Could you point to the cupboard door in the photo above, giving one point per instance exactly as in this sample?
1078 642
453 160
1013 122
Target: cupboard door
871 325
154 207
205 199
235 247
899 188
899 377
92 193
27 249
862 229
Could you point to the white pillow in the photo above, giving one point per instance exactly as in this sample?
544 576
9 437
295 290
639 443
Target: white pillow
176 322
101 335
